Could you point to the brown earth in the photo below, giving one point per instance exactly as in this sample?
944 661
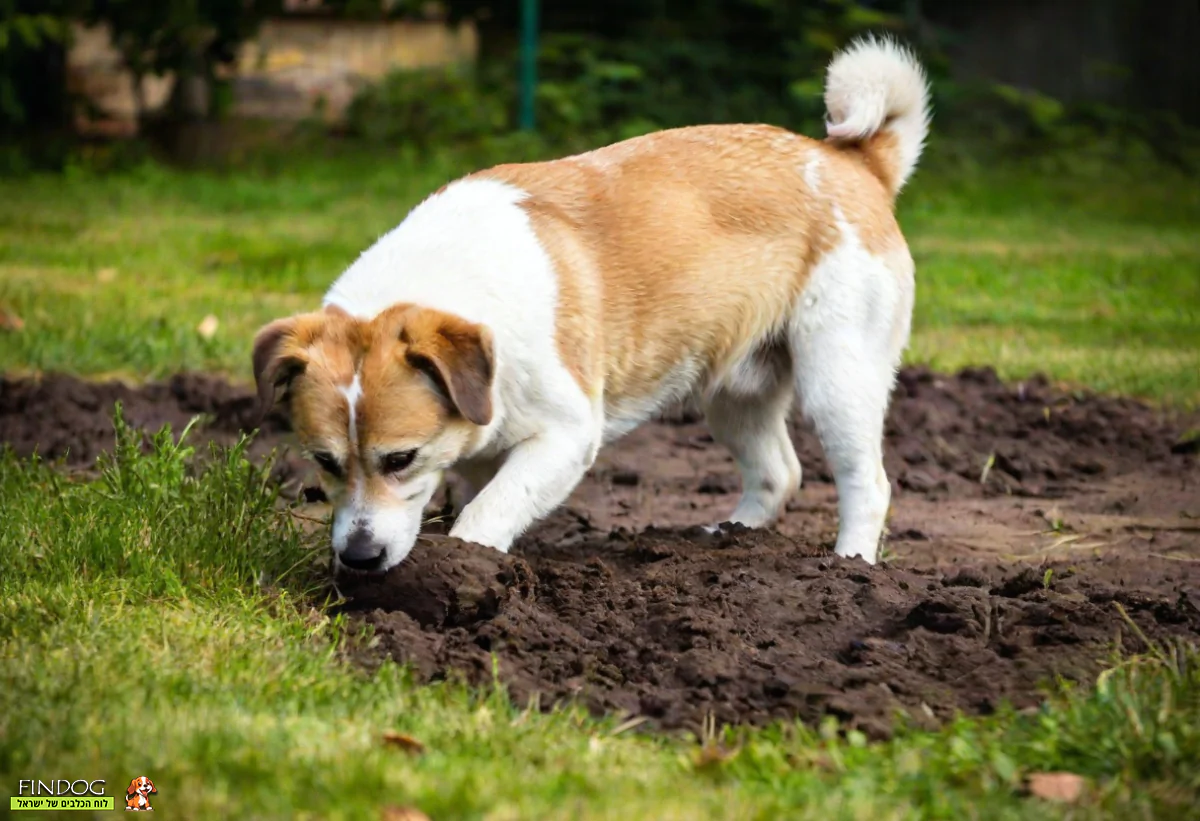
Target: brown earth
69 420
1033 534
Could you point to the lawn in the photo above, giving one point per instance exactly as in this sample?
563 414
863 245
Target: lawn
1092 276
159 618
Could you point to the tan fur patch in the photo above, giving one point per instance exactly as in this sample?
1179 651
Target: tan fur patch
578 327
668 250
456 353
864 199
397 410
325 340
879 154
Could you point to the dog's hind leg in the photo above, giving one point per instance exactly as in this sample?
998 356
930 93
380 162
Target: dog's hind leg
754 429
847 336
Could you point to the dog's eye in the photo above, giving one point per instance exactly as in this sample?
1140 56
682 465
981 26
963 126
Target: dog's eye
327 463
396 461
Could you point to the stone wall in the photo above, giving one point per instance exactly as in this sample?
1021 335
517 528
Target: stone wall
294 69
297 68
96 75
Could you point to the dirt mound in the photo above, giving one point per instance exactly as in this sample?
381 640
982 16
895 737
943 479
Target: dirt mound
619 600
753 626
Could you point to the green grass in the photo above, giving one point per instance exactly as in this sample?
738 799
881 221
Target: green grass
1092 278
161 619
156 621
1091 275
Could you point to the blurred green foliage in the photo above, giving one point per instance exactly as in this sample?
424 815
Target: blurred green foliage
28 29
427 107
661 68
608 69
615 69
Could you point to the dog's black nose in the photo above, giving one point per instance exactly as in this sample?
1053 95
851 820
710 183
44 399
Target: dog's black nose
362 551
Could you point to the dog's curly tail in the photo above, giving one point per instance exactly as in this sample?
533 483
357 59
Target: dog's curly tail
877 97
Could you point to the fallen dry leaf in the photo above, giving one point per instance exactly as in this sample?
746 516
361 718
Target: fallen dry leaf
713 755
1064 787
208 327
106 275
403 814
403 742
9 321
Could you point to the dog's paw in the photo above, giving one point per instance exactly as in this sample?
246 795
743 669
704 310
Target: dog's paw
480 536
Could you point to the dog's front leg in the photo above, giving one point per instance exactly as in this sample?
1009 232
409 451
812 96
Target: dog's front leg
538 475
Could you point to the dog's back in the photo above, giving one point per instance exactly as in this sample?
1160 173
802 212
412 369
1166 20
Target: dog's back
683 250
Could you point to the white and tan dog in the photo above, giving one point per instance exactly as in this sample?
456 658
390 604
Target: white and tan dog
523 316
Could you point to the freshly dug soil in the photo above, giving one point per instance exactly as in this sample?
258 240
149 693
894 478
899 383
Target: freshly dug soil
753 625
1033 534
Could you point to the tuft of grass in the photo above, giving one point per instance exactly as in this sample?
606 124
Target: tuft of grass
1091 275
157 617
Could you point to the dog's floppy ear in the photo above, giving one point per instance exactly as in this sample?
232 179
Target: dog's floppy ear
281 348
276 360
457 355
153 789
132 788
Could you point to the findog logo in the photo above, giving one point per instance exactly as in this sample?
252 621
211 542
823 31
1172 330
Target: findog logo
61 794
137 795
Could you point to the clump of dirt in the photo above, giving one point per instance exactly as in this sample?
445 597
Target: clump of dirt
446 583
1033 533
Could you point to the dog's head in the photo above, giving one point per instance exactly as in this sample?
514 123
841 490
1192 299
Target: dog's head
141 786
383 407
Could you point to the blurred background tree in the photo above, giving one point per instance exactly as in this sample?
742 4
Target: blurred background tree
32 36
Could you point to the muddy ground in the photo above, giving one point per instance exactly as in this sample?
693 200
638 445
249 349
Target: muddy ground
1033 533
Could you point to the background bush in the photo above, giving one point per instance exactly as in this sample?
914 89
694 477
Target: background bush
608 69
427 108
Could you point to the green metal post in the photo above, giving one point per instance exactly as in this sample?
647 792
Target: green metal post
529 50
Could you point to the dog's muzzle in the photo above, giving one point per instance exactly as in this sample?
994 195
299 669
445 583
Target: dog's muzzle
363 551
